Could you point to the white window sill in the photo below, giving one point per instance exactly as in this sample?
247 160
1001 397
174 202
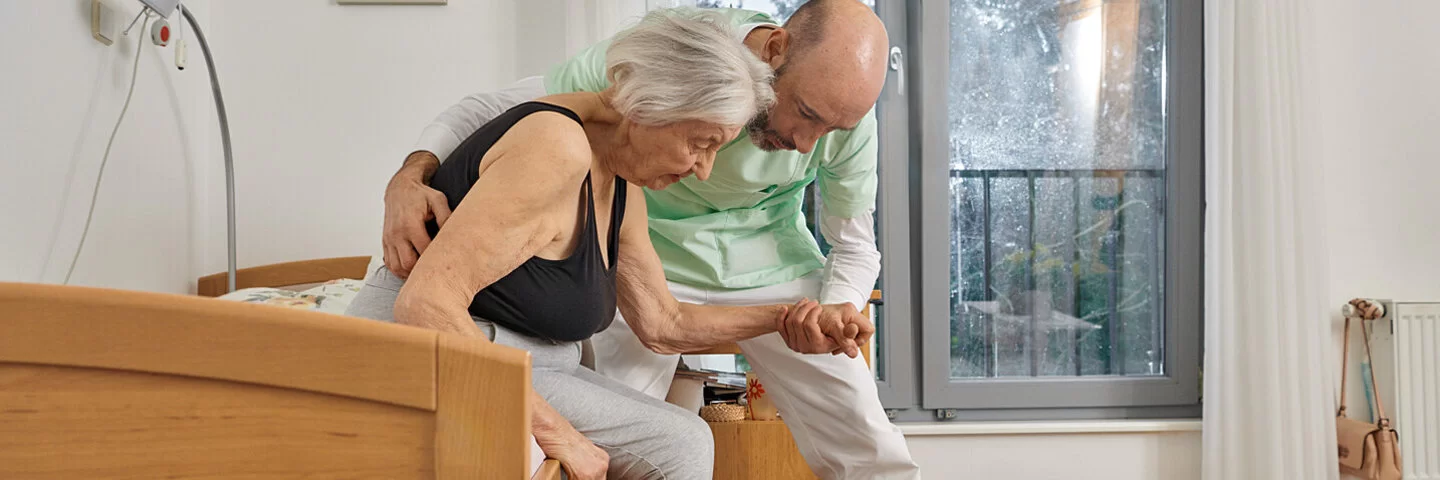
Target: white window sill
1049 428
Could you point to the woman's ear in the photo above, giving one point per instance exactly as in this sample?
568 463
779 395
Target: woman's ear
625 131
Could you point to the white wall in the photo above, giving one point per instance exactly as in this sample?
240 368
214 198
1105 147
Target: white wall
60 96
1132 456
1377 113
325 102
1379 118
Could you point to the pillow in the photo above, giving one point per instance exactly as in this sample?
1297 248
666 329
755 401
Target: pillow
329 297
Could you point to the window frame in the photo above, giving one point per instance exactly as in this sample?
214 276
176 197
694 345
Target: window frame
1177 393
897 359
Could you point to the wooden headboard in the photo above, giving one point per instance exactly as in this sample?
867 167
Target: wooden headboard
98 383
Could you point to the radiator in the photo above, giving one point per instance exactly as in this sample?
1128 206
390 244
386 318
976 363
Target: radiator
1407 368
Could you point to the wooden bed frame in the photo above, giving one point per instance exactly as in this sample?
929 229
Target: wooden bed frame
98 383
285 274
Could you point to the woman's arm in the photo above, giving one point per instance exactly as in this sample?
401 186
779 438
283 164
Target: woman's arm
533 171
668 326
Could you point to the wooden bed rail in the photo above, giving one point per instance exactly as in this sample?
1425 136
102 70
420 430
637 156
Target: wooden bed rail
104 383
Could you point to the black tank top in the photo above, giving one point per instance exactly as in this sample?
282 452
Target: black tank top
561 300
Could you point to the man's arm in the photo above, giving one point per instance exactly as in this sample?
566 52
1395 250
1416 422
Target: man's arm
848 184
456 123
409 200
853 264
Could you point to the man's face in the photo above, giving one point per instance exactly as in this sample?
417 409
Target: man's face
811 100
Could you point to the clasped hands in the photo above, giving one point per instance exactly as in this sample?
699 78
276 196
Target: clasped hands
809 327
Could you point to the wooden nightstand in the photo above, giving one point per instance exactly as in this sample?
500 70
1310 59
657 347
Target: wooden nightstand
757 450
761 450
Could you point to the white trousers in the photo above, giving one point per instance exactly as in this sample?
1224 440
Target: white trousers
829 402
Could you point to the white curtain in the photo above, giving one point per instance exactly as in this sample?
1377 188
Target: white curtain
587 22
1269 398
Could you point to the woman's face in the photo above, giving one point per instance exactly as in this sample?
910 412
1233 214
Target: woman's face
660 156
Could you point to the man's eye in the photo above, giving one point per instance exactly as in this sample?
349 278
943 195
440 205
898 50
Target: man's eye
809 115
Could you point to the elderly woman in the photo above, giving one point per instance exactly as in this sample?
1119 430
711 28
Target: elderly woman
543 244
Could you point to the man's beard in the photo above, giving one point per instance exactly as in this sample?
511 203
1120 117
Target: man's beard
763 137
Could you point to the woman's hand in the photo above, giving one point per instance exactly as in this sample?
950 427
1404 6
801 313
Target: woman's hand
559 440
809 327
581 459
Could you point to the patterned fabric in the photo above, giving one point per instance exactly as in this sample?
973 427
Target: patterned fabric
330 297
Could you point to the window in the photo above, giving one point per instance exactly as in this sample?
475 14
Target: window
1065 178
1040 207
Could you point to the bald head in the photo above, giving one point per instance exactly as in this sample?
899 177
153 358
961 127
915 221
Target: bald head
842 24
830 62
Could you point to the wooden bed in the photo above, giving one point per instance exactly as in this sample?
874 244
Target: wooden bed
98 383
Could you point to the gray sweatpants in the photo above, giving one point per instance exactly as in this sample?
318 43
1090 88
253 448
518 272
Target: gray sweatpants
645 438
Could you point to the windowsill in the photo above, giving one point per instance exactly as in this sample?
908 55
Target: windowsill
1049 428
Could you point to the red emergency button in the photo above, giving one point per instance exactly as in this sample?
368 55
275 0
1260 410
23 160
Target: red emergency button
160 32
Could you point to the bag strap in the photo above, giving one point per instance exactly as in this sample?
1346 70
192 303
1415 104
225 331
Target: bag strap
1383 420
1344 367
1365 310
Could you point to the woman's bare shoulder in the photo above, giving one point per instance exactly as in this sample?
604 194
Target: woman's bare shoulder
548 141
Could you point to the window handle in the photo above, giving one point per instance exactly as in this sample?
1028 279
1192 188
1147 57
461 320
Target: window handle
897 63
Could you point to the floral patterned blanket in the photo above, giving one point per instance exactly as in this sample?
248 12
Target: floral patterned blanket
330 297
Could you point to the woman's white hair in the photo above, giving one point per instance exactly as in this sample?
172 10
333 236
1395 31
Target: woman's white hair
686 64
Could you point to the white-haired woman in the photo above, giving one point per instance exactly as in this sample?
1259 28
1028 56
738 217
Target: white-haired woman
549 233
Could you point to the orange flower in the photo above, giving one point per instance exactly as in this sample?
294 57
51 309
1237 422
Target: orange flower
754 390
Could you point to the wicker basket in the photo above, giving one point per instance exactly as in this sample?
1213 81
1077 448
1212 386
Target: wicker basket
722 412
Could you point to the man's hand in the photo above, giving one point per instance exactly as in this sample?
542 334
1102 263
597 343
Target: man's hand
809 327
409 203
559 440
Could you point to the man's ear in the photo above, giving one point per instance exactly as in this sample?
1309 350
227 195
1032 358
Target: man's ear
777 47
